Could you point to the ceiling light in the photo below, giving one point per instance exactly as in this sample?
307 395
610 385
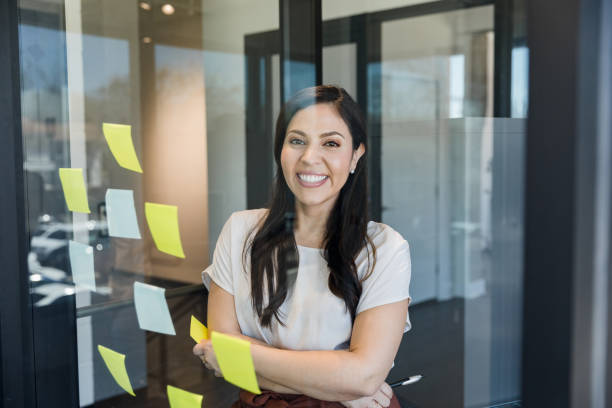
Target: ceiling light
145 6
146 40
167 9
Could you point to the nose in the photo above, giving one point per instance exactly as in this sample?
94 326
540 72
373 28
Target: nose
311 155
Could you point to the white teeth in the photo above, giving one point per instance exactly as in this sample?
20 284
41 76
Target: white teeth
309 178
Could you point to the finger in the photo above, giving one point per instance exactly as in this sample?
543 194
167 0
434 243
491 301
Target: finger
198 349
218 374
386 389
382 399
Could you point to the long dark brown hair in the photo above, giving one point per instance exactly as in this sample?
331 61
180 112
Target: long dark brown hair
273 248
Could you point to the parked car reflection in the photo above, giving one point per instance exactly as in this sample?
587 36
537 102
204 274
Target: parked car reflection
49 259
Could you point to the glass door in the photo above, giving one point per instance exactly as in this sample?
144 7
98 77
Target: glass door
448 174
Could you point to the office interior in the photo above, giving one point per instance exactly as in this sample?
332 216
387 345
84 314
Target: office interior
447 90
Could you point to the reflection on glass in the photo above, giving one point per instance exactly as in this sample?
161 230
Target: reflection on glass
448 172
174 77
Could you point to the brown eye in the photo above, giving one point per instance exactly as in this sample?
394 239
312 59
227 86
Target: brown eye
332 144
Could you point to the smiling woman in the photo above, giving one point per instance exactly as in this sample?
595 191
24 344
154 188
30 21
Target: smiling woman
313 296
318 152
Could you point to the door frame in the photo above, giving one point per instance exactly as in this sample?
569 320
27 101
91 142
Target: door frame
17 378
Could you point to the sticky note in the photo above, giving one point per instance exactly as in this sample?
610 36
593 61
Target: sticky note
115 362
152 309
235 361
163 223
82 265
183 399
119 139
198 331
121 214
75 193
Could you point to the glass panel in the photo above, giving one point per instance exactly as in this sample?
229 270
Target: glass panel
198 81
451 184
175 75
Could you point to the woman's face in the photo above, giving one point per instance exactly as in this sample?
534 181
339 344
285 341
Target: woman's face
317 155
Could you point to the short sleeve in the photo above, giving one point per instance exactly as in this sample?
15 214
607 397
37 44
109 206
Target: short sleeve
220 270
389 282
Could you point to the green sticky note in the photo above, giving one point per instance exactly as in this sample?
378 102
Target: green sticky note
235 361
183 399
119 139
163 223
115 362
198 331
75 193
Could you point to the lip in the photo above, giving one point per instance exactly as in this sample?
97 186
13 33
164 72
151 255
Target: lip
311 185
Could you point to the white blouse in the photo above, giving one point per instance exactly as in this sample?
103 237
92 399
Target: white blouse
315 319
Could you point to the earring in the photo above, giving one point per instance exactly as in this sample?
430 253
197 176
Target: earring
353 171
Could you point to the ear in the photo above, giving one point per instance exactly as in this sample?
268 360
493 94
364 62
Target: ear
357 153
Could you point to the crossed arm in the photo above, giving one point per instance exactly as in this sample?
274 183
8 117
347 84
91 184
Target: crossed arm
338 375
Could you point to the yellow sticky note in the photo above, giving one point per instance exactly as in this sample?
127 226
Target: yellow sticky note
115 362
163 223
75 193
183 399
235 361
198 331
119 139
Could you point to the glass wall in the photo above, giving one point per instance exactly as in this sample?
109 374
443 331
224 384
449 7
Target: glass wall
135 130
451 182
144 103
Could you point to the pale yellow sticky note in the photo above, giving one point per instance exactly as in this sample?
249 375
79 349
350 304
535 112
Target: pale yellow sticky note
75 193
119 139
183 399
198 331
163 223
235 361
115 362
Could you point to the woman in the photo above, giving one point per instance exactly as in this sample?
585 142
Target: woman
324 300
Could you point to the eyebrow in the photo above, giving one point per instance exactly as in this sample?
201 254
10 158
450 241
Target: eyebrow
325 134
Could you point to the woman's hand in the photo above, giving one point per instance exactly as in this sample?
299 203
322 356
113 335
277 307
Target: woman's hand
381 398
205 351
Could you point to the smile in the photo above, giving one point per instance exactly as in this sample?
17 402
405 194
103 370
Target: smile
311 180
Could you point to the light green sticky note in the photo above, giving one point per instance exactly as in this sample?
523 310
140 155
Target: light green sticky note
119 139
163 223
82 265
235 361
183 399
197 331
75 193
152 309
115 362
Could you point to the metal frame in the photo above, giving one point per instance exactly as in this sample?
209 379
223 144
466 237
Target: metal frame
567 205
17 348
300 41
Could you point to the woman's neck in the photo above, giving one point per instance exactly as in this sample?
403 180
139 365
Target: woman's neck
311 225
